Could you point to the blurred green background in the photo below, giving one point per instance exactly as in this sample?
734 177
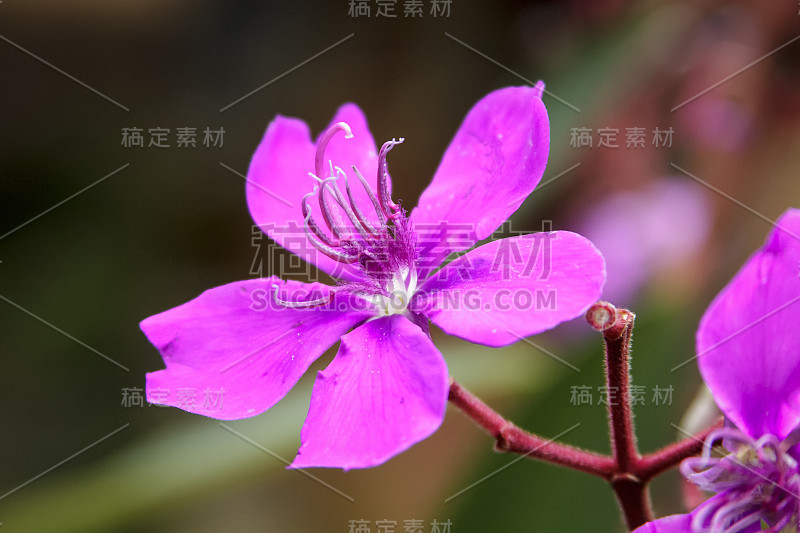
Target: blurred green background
172 222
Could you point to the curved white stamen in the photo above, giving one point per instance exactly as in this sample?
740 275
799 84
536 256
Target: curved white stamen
318 243
726 515
375 203
299 305
311 225
346 207
769 449
702 514
363 219
319 159
391 209
331 216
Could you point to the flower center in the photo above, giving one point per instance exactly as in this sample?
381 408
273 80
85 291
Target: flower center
395 299
377 239
758 481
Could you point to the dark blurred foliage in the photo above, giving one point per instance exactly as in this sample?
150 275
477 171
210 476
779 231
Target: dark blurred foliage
75 282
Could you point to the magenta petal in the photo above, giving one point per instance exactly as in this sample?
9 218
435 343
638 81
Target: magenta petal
748 342
515 287
681 523
493 163
385 391
232 353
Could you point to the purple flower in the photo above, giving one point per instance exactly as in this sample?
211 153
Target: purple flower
244 345
641 238
749 355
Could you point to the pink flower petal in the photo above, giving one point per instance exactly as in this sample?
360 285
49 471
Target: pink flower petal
233 353
493 163
385 391
515 287
278 179
748 342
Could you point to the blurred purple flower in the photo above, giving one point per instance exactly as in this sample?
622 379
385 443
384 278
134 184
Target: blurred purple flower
387 387
646 233
749 355
718 123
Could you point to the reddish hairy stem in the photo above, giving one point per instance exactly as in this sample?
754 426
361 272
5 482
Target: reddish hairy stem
634 499
670 456
510 438
617 336
629 487
626 471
